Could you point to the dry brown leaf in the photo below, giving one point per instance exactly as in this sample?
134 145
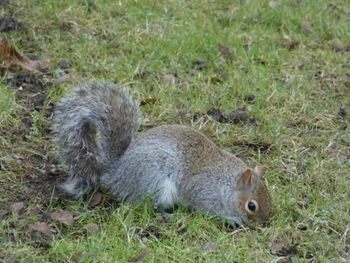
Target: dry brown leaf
64 217
140 257
148 101
225 51
17 207
92 228
96 199
41 227
11 57
308 27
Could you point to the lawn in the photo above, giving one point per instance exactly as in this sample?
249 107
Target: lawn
267 80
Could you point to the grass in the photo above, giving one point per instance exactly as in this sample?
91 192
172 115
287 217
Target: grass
294 57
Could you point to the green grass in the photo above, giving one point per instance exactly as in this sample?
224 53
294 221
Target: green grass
300 80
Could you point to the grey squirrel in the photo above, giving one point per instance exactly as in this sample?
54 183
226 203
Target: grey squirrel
94 129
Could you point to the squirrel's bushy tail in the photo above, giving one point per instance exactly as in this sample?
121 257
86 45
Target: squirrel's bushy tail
93 127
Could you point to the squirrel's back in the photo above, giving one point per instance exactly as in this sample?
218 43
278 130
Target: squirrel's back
196 149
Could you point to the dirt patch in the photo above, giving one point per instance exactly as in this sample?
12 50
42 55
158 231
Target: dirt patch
46 177
31 90
26 81
9 24
39 171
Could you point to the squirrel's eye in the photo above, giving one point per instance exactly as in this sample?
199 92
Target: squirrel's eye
251 206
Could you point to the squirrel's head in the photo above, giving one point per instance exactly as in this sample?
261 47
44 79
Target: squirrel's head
254 199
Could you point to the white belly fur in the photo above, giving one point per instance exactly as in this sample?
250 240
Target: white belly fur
169 193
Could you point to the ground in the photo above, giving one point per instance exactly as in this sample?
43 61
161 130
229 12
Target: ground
266 80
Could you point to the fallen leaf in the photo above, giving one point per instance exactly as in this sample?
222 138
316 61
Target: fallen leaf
92 228
273 4
10 56
17 207
140 257
225 51
308 27
41 227
64 217
96 199
148 101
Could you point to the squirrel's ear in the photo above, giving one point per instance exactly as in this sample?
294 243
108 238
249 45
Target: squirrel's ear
245 180
259 171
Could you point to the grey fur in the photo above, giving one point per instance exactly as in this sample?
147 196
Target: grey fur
172 163
93 127
164 152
